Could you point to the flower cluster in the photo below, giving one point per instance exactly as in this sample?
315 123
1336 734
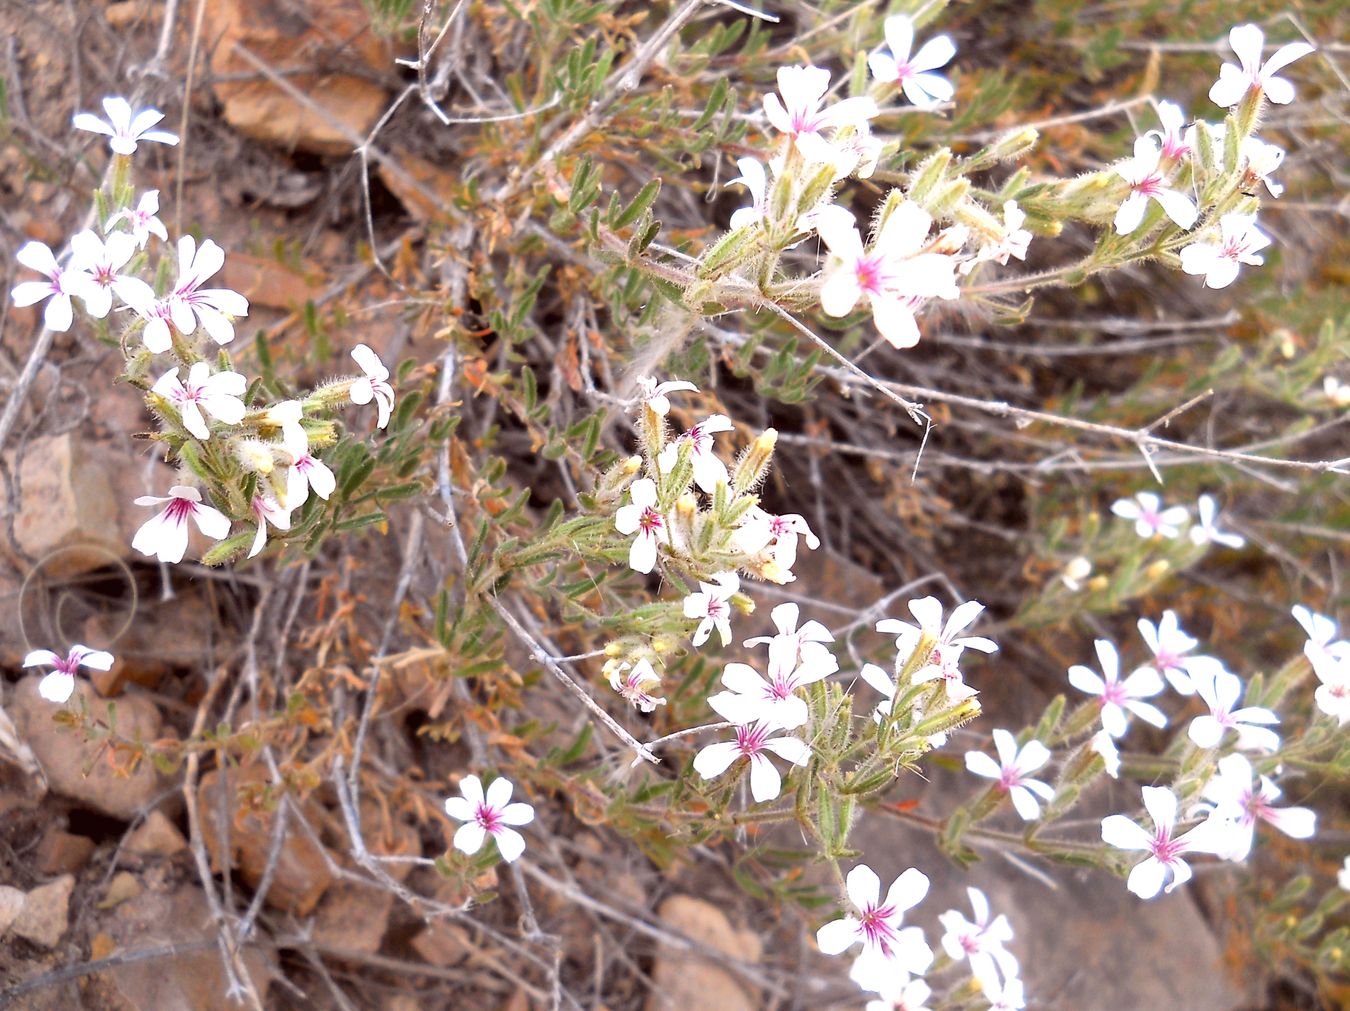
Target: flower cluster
267 466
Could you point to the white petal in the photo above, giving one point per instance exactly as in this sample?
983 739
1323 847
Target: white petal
936 52
1146 879
510 844
517 814
765 782
498 793
982 765
469 837
41 658
837 935
1124 834
1025 803
863 886
459 809
1161 804
212 522
715 759
57 687
472 789
908 890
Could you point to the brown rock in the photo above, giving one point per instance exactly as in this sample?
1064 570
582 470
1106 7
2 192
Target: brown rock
352 917
155 837
443 944
301 875
63 754
128 13
60 852
683 980
315 37
144 653
63 524
45 914
264 281
11 904
191 982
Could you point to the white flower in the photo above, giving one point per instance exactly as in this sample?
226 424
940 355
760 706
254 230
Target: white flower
307 471
1104 745
753 742
637 684
712 606
1011 996
61 284
914 73
1243 799
265 511
1174 138
709 471
882 682
798 114
1011 771
927 611
1075 572
488 815
1206 530
218 395
1169 646
981 940
188 304
123 128
103 261
1117 696
1147 180
166 535
142 219
1252 75
1240 242
1165 850
794 642
761 529
1220 689
1343 876
774 700
899 993
1149 516
1322 644
640 517
1336 391
1333 694
876 925
755 179
1259 162
373 384
654 394
59 685
1013 242
893 275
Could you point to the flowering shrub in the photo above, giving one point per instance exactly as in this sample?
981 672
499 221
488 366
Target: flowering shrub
663 544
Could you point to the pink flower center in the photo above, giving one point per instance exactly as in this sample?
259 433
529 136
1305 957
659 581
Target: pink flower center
1009 778
651 521
1165 848
750 740
868 274
716 608
805 120
779 526
104 275
1150 185
1167 660
489 818
875 927
1114 693
179 509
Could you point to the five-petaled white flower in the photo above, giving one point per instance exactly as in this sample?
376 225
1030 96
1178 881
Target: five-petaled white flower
900 993
266 510
798 113
1104 745
488 815
709 471
307 471
656 395
1240 241
1221 689
641 517
189 305
166 535
218 395
636 683
981 940
755 742
712 606
1333 694
762 529
1012 770
927 612
1322 642
751 697
1165 849
61 284
1169 646
59 684
1234 82
1206 529
103 261
893 275
1116 696
1242 798
373 385
913 74
143 219
875 924
1260 161
123 128
1148 180
1149 516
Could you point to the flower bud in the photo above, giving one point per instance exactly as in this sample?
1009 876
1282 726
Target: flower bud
1158 569
753 465
743 603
